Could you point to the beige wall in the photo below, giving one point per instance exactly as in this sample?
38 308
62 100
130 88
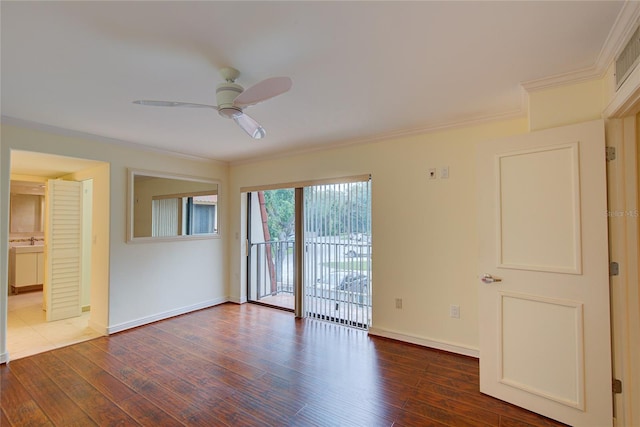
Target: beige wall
146 281
568 104
424 231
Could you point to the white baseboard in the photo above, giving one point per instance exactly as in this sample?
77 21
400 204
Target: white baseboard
4 357
165 315
237 300
425 342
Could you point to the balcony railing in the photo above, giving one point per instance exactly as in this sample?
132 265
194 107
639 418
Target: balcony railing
337 278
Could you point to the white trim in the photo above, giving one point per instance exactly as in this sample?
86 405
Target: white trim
626 99
518 112
12 121
577 76
165 315
621 30
426 342
236 300
4 357
310 183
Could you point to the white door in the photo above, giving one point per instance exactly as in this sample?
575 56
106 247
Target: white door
63 238
544 328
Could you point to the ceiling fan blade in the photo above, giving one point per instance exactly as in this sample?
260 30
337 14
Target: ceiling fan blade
250 126
172 104
262 91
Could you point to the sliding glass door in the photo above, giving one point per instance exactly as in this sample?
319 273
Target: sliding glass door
337 264
322 268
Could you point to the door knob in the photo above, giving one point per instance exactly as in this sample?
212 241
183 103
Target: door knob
487 278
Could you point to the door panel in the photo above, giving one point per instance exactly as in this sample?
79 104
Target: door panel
531 359
544 328
63 234
532 238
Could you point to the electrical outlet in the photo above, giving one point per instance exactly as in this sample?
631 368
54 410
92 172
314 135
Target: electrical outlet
454 311
432 173
398 302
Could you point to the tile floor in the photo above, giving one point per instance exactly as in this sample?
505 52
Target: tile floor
28 331
280 300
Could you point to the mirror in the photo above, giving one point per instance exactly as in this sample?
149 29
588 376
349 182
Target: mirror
169 207
26 213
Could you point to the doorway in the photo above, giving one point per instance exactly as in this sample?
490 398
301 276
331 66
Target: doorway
271 235
312 255
27 330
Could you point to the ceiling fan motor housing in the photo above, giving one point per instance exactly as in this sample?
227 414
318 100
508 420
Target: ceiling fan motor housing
226 93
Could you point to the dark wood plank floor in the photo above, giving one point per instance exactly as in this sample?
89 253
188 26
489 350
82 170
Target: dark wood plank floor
248 365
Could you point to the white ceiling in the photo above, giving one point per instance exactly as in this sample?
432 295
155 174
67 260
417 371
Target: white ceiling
361 70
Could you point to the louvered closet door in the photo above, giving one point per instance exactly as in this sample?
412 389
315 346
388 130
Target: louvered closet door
63 276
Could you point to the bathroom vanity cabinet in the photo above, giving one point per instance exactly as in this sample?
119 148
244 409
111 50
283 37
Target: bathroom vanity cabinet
26 268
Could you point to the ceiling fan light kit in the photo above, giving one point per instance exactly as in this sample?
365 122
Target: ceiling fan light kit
231 99
250 126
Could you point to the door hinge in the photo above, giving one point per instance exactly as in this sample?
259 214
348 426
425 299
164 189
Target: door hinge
617 386
610 153
614 269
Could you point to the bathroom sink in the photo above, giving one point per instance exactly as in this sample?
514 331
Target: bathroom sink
28 249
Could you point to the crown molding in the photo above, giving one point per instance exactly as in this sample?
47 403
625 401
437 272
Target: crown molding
563 79
519 112
41 127
622 29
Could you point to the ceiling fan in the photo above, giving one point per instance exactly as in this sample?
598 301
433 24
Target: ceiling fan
232 99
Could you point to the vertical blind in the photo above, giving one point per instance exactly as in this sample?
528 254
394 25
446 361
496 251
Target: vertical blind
165 217
337 240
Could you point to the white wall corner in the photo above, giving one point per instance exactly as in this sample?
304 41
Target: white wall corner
425 342
4 357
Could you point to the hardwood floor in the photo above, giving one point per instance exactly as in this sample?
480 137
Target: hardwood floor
248 365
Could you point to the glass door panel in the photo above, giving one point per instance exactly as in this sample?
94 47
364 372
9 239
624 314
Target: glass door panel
271 224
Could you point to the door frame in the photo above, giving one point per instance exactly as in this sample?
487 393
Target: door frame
624 241
623 133
99 300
